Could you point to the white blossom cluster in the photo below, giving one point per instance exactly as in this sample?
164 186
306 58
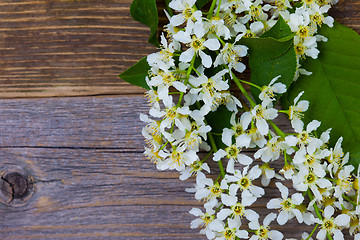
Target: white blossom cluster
190 78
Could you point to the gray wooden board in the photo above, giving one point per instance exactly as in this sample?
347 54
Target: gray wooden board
90 177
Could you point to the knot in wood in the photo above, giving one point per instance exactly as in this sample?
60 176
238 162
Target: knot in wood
15 187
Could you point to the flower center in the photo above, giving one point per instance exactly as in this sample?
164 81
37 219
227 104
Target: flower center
299 49
188 12
207 218
215 190
244 183
303 31
311 178
177 158
287 204
328 224
232 151
229 234
238 209
197 44
262 232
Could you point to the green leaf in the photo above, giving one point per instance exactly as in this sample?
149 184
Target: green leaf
219 120
280 31
145 11
333 89
201 3
136 74
271 55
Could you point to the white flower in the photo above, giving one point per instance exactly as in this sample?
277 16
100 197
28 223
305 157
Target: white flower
176 159
267 174
331 225
208 89
243 181
231 232
194 168
218 27
272 150
306 179
260 113
305 137
286 204
173 115
344 183
204 219
231 55
263 232
267 93
196 45
237 209
233 151
187 9
206 188
296 111
312 160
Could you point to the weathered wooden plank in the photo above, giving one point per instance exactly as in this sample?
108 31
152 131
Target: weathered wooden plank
73 48
89 177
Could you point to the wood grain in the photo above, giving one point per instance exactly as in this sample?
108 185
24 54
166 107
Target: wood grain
89 176
78 47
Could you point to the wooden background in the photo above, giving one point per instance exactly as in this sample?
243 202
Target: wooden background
71 125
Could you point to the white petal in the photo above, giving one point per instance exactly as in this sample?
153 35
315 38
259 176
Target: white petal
338 235
328 211
228 200
177 20
298 215
216 225
283 217
274 203
224 213
202 193
205 59
276 235
342 220
297 198
187 55
283 190
269 218
243 140
212 44
262 126
230 168
313 125
226 136
254 225
242 234
180 86
196 212
321 235
219 155
245 160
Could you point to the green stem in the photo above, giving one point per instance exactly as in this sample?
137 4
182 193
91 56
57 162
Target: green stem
218 10
349 200
277 129
207 156
317 211
242 89
219 38
312 232
186 79
316 208
211 10
251 84
214 147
